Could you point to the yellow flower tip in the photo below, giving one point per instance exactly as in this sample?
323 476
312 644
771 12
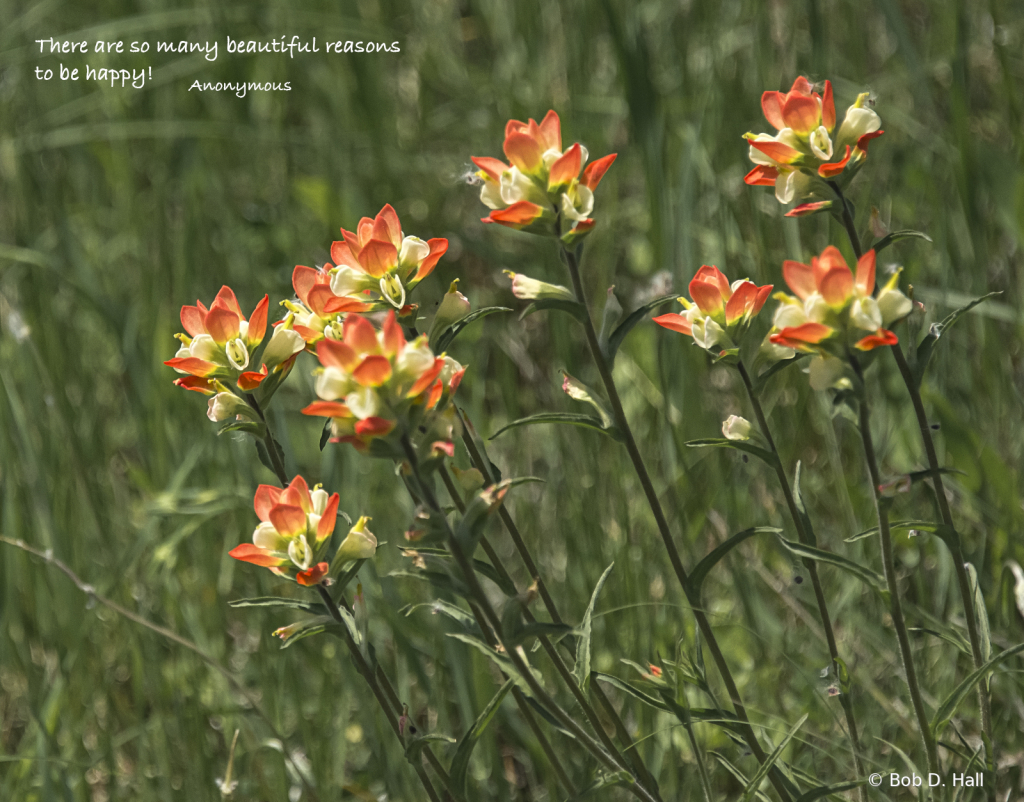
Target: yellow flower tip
750 135
893 281
685 302
785 297
291 307
454 287
184 339
861 99
510 273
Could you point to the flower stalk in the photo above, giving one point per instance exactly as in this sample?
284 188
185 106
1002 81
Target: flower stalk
572 263
812 569
959 563
479 599
889 568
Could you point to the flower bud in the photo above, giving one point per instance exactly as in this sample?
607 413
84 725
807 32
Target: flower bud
237 353
226 405
736 428
865 314
359 544
392 290
526 288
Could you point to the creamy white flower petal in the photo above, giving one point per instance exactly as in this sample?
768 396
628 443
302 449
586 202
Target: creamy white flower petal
347 281
821 145
332 384
320 499
893 305
825 371
415 358
858 121
284 344
414 250
266 537
300 553
363 402
204 347
865 314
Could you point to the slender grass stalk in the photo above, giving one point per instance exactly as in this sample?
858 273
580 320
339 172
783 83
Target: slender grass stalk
889 567
663 528
621 733
812 568
162 631
521 702
490 615
959 563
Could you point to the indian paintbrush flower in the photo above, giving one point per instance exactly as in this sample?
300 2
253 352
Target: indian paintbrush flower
801 153
379 264
541 181
317 312
720 312
294 531
221 343
835 310
369 380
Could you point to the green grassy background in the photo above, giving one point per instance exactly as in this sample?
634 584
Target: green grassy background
119 205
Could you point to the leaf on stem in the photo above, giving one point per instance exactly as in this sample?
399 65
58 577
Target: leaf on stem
571 418
574 308
276 601
952 702
703 568
923 353
460 763
581 671
611 347
896 236
866 575
740 445
440 340
798 499
764 768
414 747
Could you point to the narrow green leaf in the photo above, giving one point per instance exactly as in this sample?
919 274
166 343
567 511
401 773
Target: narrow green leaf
798 498
895 236
276 601
980 616
952 702
627 325
460 763
572 418
827 790
347 576
414 748
445 337
303 629
574 308
923 353
605 780
739 445
762 379
457 614
249 427
500 660
581 671
735 772
701 569
325 435
632 690
764 768
875 581
947 534
264 456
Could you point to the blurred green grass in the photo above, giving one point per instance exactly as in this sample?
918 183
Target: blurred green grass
119 205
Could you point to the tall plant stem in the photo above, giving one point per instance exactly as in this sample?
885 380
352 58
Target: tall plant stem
479 598
361 665
889 566
563 670
604 369
959 564
371 679
812 568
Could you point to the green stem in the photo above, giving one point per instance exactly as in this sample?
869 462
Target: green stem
959 563
622 422
465 564
563 670
963 583
889 567
812 568
368 675
268 439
